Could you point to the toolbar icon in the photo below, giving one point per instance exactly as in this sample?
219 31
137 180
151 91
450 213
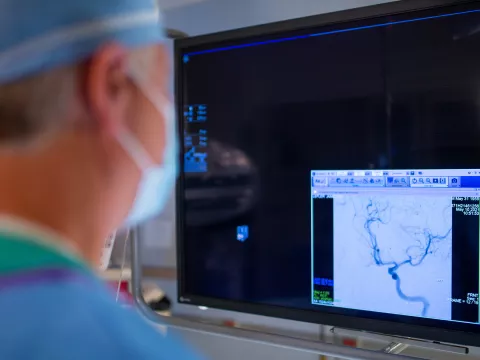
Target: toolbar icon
242 233
320 181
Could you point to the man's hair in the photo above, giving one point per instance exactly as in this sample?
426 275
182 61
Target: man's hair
34 105
38 105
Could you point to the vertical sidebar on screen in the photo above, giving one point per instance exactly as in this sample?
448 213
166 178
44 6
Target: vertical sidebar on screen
465 258
322 248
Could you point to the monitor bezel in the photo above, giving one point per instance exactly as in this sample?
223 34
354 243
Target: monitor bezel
308 316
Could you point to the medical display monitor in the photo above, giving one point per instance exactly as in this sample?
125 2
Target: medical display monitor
330 170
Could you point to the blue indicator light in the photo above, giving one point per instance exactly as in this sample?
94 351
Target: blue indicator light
242 233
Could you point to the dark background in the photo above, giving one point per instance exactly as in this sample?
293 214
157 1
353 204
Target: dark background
403 96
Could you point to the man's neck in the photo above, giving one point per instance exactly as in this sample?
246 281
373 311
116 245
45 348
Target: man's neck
53 196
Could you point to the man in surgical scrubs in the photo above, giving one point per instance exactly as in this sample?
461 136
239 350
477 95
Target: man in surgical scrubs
87 146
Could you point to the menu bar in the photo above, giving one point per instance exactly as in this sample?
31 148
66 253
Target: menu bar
396 179
442 172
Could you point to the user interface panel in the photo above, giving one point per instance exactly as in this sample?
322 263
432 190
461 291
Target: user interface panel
401 242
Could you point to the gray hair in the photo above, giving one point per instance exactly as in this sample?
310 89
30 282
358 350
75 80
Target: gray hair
38 105
32 106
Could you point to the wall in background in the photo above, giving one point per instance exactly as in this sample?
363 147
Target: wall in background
209 16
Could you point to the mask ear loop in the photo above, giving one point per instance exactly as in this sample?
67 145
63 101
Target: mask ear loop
136 150
130 144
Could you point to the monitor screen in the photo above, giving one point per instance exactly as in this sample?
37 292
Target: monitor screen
332 173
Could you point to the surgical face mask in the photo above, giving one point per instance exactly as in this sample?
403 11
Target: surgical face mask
157 181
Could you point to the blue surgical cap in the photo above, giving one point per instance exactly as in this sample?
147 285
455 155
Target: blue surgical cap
38 35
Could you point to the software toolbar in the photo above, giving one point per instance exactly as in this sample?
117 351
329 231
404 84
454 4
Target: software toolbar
397 178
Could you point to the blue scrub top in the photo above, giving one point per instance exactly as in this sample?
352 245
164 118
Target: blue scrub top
53 307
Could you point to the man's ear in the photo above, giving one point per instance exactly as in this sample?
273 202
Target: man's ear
106 87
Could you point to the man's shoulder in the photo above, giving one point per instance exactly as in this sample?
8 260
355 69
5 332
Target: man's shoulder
63 317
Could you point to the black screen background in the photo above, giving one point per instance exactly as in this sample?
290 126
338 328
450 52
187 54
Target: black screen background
400 97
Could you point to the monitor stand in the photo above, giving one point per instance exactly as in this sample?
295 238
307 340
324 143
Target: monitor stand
399 344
